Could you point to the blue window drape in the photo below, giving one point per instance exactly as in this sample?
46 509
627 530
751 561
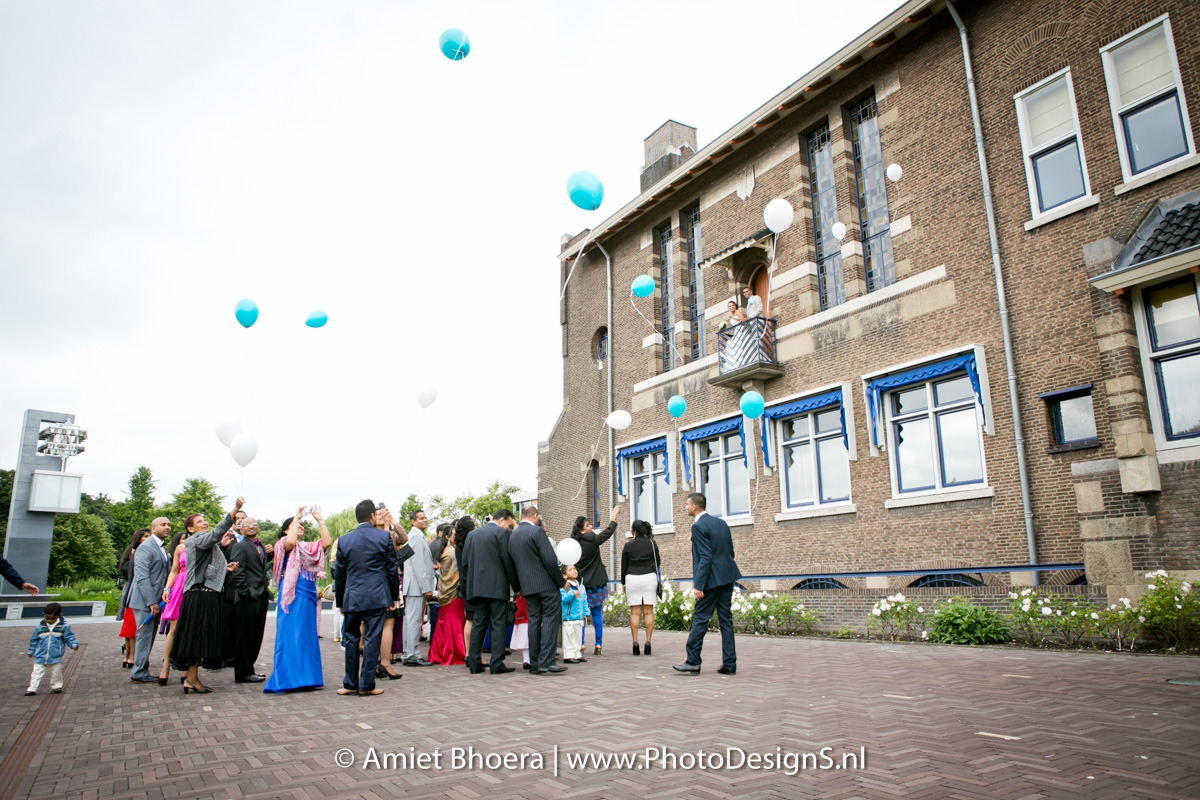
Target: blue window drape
637 450
800 406
876 387
712 429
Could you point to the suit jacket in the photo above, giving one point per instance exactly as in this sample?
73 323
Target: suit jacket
367 576
537 566
10 573
591 568
151 565
486 568
250 579
712 554
419 576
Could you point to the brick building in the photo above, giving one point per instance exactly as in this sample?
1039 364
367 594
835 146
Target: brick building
889 454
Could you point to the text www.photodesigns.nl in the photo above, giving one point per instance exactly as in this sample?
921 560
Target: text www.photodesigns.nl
786 762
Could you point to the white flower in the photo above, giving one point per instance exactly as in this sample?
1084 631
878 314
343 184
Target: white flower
1012 595
1179 606
1151 586
924 634
1125 600
762 606
1072 613
1059 613
1046 611
1026 592
899 597
1095 616
875 611
1141 618
920 609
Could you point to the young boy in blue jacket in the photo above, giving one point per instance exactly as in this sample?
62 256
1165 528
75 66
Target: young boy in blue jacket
573 605
46 648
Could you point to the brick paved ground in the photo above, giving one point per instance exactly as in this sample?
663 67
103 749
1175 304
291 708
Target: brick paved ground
1091 724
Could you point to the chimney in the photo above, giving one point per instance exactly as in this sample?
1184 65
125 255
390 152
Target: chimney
666 148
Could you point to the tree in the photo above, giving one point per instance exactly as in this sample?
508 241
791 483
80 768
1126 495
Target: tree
81 549
138 511
198 496
341 523
494 498
268 533
411 505
101 507
7 476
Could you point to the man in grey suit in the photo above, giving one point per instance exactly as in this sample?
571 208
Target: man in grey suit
540 577
487 572
420 581
151 564
713 574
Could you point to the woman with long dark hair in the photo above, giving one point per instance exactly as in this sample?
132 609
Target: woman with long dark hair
446 643
592 574
639 572
462 528
124 613
201 632
173 591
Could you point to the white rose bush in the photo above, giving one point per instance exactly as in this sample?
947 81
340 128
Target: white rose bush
753 612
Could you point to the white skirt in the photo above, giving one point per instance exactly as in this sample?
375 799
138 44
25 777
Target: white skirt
520 637
641 590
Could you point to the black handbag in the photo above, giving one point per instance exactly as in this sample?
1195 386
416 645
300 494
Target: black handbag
404 554
658 573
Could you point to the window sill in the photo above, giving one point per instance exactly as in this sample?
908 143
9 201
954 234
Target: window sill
1157 174
1065 210
659 530
941 497
1177 453
1085 444
810 513
739 520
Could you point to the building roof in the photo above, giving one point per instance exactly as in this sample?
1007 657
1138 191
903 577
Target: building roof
829 73
1177 230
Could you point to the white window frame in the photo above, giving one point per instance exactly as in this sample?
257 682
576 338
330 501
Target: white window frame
724 471
1150 379
1113 101
781 461
931 413
651 475
1029 154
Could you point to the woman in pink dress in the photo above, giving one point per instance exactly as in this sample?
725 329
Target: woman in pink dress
173 593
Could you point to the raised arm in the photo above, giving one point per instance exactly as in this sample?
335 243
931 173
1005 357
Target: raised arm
212 537
326 539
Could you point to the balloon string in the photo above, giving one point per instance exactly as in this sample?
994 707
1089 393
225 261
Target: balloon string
771 271
754 455
666 337
574 265
583 480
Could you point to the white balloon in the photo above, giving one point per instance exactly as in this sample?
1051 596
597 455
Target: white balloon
894 173
569 552
426 395
227 429
838 230
243 448
619 420
778 215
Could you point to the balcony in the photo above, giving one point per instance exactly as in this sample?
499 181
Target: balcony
746 352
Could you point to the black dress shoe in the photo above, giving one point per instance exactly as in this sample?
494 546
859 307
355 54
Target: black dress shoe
252 679
533 671
570 660
553 669
686 667
503 668
525 666
418 662
581 660
727 671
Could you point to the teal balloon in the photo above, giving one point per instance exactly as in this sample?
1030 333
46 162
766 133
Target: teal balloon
454 44
246 312
585 190
676 406
643 286
752 405
316 319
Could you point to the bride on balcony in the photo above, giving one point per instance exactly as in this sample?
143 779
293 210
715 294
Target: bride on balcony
740 347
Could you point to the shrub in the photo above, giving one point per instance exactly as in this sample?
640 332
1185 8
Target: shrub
1074 619
763 612
959 621
1170 611
896 616
1027 617
1119 623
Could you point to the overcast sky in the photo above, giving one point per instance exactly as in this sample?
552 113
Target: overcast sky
160 161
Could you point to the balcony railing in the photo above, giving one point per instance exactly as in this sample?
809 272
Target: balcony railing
748 349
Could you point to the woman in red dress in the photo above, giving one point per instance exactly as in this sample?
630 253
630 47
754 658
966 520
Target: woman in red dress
446 644
128 623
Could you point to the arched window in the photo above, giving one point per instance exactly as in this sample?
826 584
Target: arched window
819 583
944 581
601 344
1081 580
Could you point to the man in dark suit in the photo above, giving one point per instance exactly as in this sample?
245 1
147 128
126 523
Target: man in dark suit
487 572
713 575
367 584
540 579
250 600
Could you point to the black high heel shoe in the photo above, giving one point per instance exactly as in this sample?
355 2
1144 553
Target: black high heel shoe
636 650
647 650
205 690
162 681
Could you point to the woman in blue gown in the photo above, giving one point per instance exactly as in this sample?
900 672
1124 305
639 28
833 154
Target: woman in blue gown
298 565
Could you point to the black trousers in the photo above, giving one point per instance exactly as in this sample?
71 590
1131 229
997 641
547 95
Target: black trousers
251 618
718 599
545 619
360 667
486 610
